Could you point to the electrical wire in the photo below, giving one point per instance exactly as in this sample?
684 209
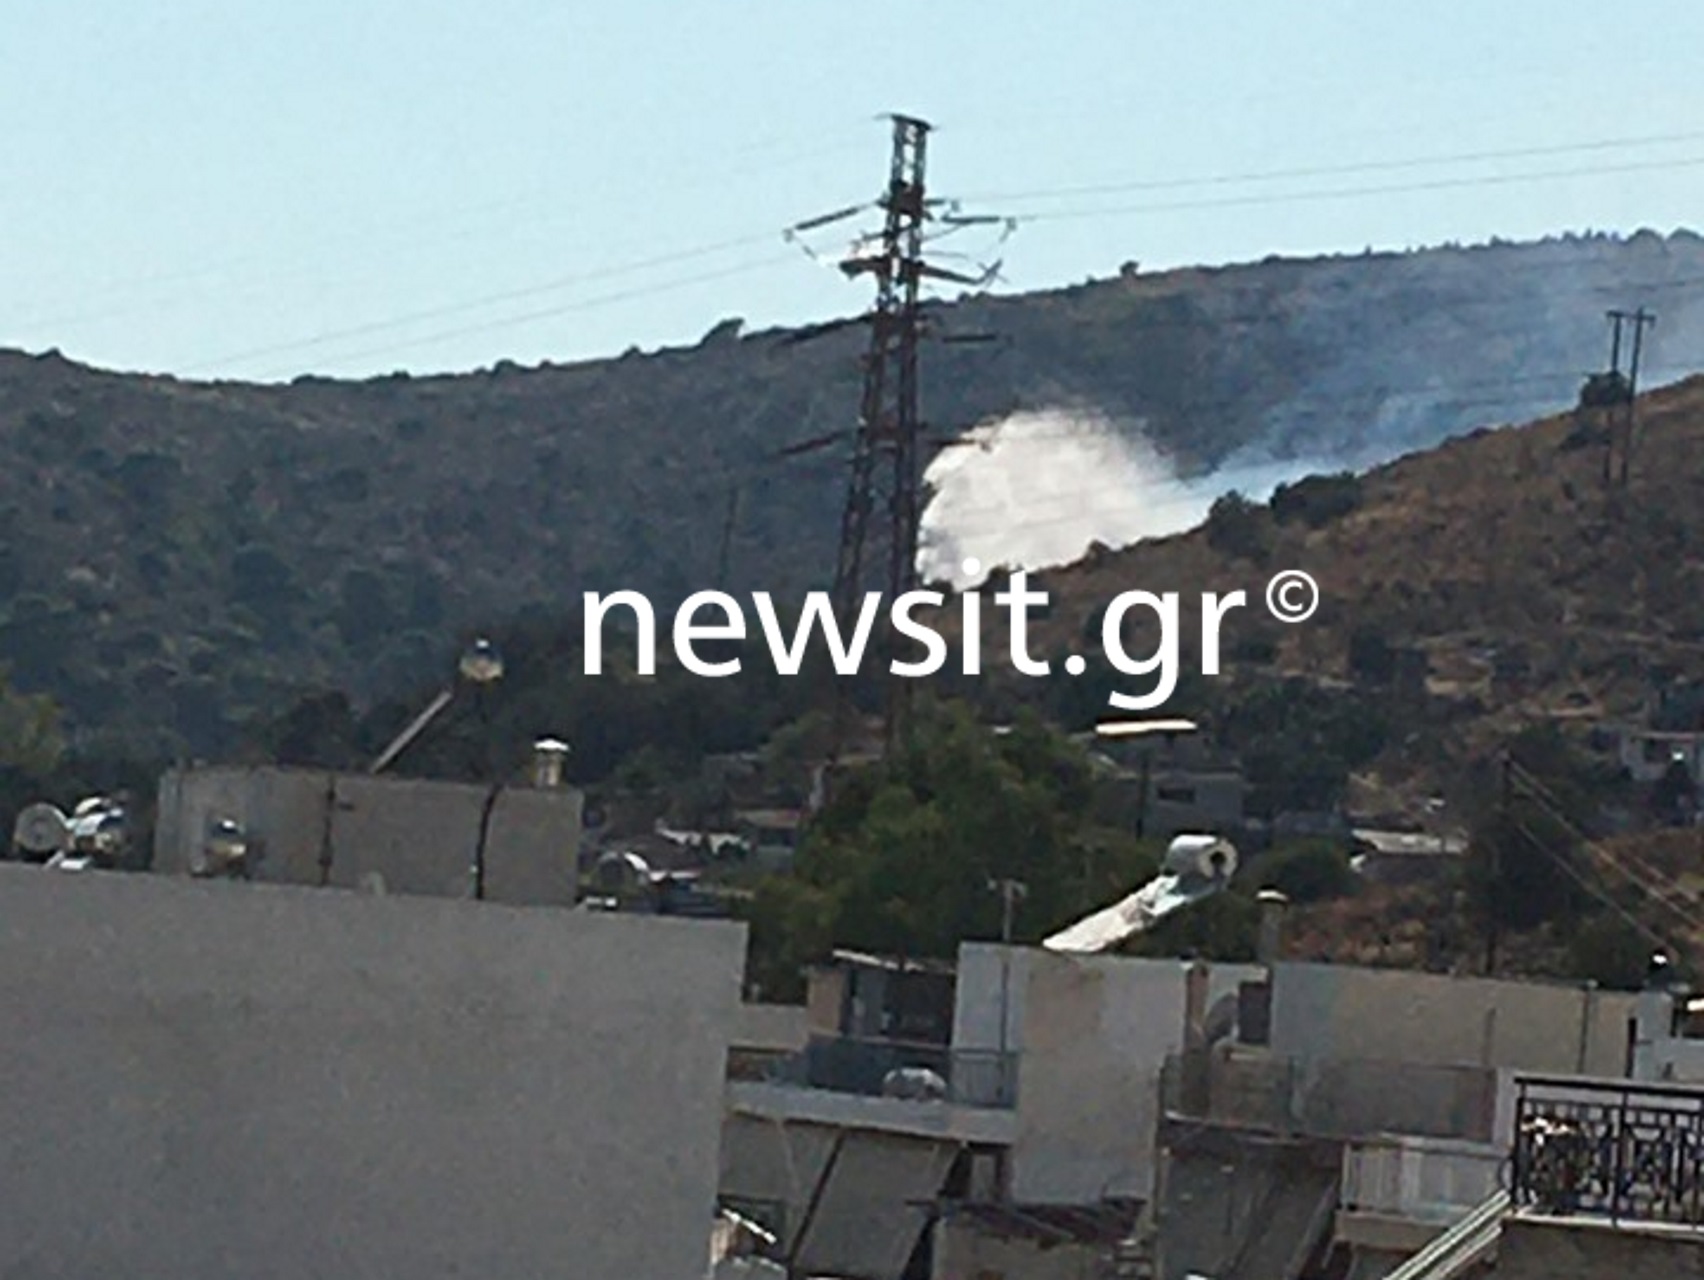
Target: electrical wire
1643 877
1343 193
387 232
489 300
546 313
1595 890
1336 170
1007 224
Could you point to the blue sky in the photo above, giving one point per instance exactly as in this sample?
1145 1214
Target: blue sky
241 189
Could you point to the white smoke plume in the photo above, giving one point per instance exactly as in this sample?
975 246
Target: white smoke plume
1036 488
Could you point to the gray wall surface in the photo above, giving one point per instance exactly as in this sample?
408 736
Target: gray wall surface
417 836
211 1080
1322 1013
1094 1041
1539 1250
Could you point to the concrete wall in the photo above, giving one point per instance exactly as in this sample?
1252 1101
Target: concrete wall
205 1080
1093 1034
963 1253
993 982
1539 1250
416 836
825 999
1094 1039
1324 1012
775 1028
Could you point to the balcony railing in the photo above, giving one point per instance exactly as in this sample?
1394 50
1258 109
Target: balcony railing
1631 1153
971 1077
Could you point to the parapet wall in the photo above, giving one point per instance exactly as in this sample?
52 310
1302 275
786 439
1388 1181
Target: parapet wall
207 1080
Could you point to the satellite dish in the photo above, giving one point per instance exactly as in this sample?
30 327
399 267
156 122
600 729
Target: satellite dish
42 830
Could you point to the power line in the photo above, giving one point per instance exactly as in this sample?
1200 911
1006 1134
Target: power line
1647 883
1343 193
581 304
642 264
1635 871
388 230
488 300
1602 895
1338 170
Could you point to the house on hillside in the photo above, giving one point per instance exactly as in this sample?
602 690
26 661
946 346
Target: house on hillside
772 835
1405 857
1166 783
1648 754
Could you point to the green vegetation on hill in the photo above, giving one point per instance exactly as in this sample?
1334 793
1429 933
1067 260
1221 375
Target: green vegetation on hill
905 858
178 559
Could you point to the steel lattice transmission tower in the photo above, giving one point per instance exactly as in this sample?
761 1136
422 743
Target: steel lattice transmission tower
884 502
885 475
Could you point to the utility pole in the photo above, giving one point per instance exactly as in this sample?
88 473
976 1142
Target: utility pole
1494 893
1011 893
1615 393
1640 319
729 521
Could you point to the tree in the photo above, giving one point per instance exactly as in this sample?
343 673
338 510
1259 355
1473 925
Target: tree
902 858
1238 527
1224 927
1317 500
1515 870
1306 871
1608 951
31 748
1299 742
30 740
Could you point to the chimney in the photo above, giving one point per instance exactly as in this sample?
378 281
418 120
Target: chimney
1653 1021
1273 905
549 756
1195 991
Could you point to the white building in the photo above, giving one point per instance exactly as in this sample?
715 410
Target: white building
398 835
206 1080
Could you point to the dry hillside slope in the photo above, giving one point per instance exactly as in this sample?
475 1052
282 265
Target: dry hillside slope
1532 586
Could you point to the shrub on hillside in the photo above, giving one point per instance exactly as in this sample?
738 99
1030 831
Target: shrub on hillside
1317 500
1238 527
1307 871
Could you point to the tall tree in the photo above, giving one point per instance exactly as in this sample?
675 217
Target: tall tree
903 858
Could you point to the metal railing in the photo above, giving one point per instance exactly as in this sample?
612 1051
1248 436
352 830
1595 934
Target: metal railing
1462 1248
1632 1153
843 1064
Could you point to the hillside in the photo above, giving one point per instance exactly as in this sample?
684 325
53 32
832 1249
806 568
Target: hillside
176 557
1533 590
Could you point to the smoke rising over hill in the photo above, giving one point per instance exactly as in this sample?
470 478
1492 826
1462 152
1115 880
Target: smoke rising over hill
176 557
